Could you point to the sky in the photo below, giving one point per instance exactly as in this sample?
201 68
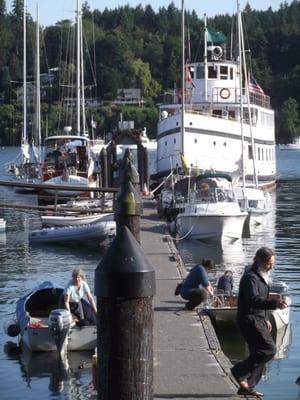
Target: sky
51 11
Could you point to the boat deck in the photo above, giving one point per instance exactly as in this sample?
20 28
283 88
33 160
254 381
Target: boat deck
188 360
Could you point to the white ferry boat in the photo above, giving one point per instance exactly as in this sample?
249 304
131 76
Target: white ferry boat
199 129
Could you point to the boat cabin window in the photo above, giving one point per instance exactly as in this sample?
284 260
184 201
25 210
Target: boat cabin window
258 153
231 114
217 113
231 73
200 72
223 72
250 152
212 72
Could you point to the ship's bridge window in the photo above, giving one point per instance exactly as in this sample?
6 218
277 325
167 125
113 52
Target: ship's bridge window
200 72
212 72
250 152
223 72
231 73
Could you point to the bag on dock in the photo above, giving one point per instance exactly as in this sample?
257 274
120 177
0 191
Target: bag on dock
178 289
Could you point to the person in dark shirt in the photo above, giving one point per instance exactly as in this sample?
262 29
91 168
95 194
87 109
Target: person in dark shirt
253 303
225 282
196 286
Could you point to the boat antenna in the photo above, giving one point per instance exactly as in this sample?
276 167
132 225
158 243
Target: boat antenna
183 76
255 178
205 58
241 90
78 67
24 139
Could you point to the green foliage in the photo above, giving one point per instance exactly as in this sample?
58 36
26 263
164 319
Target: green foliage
289 121
136 47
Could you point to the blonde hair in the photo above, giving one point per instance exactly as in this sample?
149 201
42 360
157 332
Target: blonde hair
78 272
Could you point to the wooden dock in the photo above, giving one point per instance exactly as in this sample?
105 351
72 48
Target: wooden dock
188 360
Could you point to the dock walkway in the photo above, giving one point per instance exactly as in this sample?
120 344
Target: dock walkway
188 361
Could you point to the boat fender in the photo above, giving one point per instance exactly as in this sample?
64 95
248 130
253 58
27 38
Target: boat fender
225 93
12 328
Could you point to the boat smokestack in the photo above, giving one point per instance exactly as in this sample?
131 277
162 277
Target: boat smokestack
60 321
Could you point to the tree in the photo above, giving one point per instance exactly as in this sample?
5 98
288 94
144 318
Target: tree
289 125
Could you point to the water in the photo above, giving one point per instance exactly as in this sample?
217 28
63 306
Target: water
281 231
36 376
40 376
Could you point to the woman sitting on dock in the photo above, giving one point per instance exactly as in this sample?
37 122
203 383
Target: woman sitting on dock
74 301
196 286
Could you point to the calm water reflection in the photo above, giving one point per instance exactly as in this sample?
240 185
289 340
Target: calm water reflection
281 231
35 376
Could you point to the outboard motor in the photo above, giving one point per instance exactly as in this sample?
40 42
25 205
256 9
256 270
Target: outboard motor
60 321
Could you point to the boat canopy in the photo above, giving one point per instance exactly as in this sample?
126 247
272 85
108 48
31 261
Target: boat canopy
213 175
41 297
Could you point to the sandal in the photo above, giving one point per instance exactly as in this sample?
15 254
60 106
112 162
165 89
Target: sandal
249 392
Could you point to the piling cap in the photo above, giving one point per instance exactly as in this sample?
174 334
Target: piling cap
128 201
124 270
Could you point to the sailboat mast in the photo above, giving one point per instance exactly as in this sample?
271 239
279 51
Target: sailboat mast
241 90
78 67
183 77
205 58
38 82
24 138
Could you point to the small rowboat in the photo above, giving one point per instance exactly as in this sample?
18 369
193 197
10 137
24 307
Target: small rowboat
75 219
96 233
37 314
223 307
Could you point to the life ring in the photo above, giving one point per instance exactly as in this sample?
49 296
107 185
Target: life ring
225 93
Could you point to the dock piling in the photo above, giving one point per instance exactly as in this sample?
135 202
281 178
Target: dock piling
125 286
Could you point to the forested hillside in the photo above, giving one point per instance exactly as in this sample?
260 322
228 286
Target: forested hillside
139 48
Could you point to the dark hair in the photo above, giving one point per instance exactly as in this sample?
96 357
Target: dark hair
208 263
262 256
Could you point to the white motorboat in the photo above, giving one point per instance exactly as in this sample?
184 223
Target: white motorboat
37 314
212 211
95 233
295 145
69 180
255 201
199 122
2 225
223 307
75 219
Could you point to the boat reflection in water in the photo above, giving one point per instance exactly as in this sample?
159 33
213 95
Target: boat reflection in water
235 347
70 375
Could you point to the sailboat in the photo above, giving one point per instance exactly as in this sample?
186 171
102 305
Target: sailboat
199 125
27 166
252 199
68 159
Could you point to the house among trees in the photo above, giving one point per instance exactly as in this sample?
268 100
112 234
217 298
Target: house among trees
129 96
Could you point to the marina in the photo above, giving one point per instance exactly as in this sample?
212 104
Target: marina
23 265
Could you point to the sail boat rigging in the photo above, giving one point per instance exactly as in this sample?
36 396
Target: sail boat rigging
67 156
252 199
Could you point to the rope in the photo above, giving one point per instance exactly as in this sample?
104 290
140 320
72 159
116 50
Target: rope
183 237
154 190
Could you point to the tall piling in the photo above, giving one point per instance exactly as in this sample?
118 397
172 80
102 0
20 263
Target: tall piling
125 286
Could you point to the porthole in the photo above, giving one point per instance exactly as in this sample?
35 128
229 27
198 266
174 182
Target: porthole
195 140
215 143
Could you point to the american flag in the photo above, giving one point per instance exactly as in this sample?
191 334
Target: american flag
189 77
254 86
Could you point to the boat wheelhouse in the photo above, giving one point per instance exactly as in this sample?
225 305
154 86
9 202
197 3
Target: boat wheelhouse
199 129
